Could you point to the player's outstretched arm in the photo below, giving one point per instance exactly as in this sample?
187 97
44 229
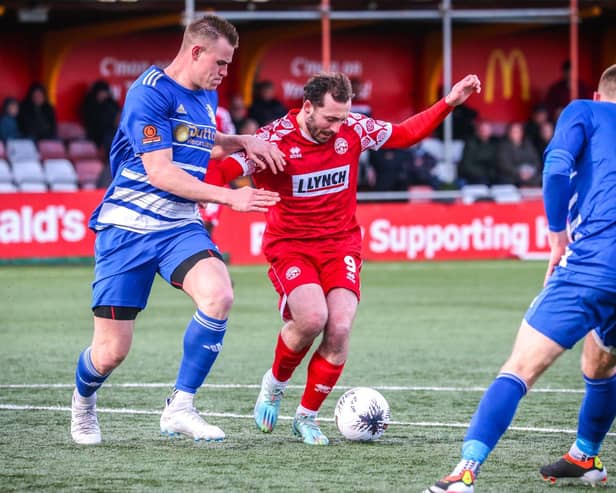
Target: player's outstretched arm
421 125
463 89
163 174
263 153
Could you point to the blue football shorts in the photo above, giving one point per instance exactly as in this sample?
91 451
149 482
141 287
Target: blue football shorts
127 262
572 304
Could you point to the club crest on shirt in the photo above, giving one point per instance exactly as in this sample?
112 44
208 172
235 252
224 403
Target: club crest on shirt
341 145
150 135
292 272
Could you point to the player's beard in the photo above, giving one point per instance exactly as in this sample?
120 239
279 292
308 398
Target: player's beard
317 133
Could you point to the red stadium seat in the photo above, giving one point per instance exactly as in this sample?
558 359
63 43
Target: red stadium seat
71 131
82 149
51 149
88 171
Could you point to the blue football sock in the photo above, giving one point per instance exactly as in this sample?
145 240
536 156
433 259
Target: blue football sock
202 343
87 379
493 416
596 414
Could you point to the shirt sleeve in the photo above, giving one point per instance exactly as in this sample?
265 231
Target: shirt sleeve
223 172
418 126
147 121
570 136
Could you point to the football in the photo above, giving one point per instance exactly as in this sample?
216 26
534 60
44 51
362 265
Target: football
362 414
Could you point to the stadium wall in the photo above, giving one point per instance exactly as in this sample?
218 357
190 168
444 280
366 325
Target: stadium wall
54 226
516 62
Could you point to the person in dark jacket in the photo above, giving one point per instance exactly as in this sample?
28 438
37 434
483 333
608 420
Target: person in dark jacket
37 117
9 126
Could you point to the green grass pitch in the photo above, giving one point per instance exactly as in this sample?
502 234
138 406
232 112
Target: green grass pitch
429 336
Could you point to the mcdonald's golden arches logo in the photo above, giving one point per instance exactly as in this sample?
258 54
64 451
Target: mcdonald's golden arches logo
507 65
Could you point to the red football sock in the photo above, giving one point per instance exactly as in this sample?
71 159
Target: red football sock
322 376
286 360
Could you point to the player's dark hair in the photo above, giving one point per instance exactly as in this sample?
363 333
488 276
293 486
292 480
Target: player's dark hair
212 27
607 83
336 83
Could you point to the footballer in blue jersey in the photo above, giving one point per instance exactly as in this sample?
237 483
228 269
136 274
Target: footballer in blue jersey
578 300
148 223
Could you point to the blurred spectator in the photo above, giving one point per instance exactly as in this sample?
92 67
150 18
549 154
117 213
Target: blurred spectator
478 164
390 167
360 103
37 118
518 162
546 132
9 126
532 128
238 111
397 169
248 127
100 112
265 107
559 94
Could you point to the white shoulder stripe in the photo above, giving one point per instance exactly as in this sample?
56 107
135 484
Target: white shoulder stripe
152 77
134 175
157 78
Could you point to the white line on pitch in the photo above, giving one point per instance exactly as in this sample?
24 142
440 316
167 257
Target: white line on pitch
389 388
418 424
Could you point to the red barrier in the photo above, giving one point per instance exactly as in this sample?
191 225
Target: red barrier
416 232
54 225
47 225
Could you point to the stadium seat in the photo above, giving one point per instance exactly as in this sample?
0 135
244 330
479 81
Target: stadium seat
82 149
28 172
474 193
60 174
51 149
457 148
505 194
19 150
6 175
32 187
7 187
445 172
71 131
88 171
434 147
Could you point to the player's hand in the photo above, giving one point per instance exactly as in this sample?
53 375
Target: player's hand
248 199
462 90
558 246
264 154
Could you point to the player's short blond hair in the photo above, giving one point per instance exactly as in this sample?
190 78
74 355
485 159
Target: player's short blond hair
210 28
335 83
607 83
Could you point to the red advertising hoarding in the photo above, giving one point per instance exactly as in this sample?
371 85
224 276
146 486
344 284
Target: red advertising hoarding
54 225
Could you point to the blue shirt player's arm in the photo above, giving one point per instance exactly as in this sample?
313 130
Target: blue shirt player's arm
567 144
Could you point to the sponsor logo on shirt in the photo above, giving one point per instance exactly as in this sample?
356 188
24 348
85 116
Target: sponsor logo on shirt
295 153
321 182
150 135
292 273
194 135
341 145
180 109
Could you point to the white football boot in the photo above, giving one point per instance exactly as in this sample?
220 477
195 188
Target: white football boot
180 417
84 423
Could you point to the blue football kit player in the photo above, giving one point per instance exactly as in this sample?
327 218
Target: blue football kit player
578 300
149 223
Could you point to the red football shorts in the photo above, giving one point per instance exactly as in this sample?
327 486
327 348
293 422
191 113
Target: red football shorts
294 265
